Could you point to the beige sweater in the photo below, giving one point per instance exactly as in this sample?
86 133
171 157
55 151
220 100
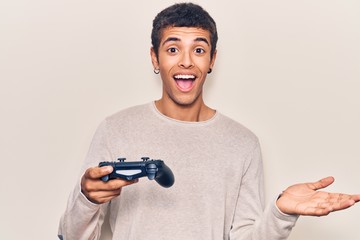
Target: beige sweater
218 191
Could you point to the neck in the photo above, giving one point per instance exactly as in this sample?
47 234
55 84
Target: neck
196 112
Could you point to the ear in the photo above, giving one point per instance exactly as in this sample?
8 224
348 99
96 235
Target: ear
212 62
154 58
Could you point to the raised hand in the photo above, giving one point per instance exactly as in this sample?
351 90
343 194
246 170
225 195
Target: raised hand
305 199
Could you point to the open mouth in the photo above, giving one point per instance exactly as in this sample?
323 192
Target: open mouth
185 82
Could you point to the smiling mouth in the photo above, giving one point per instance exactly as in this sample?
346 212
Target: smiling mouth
185 82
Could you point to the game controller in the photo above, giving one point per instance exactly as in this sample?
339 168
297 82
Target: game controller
153 169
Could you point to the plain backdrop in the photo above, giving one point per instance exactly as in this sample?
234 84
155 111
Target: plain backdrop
288 70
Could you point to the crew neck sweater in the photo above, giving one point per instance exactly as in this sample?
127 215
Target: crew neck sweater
218 191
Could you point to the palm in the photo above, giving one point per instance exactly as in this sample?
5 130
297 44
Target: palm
304 199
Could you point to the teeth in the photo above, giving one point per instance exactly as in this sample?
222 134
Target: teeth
181 76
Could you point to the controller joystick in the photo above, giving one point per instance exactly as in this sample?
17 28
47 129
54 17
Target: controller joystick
153 169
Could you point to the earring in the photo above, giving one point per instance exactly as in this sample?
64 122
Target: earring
156 71
210 70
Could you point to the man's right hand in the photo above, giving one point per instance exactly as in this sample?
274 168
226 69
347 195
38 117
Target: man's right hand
98 191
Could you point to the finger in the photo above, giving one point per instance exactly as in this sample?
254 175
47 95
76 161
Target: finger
336 202
323 183
99 185
356 198
317 211
98 172
98 191
103 196
114 186
342 205
118 183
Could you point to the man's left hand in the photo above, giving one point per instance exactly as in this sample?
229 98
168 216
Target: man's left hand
305 199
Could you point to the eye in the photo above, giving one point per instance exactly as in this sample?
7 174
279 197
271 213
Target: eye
172 50
199 50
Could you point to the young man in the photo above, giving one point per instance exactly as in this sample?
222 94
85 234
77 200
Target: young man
218 192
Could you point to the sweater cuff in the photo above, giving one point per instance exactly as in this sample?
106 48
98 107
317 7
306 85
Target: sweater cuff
283 216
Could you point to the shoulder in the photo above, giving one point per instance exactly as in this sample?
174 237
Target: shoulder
129 114
236 130
125 119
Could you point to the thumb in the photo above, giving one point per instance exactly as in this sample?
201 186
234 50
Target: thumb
322 183
98 172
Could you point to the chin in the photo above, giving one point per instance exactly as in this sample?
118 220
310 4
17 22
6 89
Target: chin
186 102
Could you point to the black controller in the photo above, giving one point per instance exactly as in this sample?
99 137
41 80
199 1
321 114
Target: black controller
153 169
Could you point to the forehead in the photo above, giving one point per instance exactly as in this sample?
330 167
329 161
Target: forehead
185 33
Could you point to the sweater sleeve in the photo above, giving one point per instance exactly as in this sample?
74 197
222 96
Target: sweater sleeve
250 220
82 219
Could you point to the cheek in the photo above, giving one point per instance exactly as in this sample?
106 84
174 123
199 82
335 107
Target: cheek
166 76
168 61
203 63
166 65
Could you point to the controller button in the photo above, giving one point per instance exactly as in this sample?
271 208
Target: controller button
105 178
128 172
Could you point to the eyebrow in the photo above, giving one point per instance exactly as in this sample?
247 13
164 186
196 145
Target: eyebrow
201 39
171 39
175 39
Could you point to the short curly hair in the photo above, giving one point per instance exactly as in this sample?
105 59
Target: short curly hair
183 15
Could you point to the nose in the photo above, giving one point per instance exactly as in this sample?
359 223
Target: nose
186 60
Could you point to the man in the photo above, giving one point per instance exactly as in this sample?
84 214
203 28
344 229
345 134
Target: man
218 192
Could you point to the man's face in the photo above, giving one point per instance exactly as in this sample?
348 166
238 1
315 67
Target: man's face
184 60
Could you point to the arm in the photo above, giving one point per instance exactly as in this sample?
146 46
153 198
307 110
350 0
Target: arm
304 199
82 219
251 221
88 202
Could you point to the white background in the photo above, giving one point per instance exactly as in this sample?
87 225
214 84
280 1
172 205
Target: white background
288 70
